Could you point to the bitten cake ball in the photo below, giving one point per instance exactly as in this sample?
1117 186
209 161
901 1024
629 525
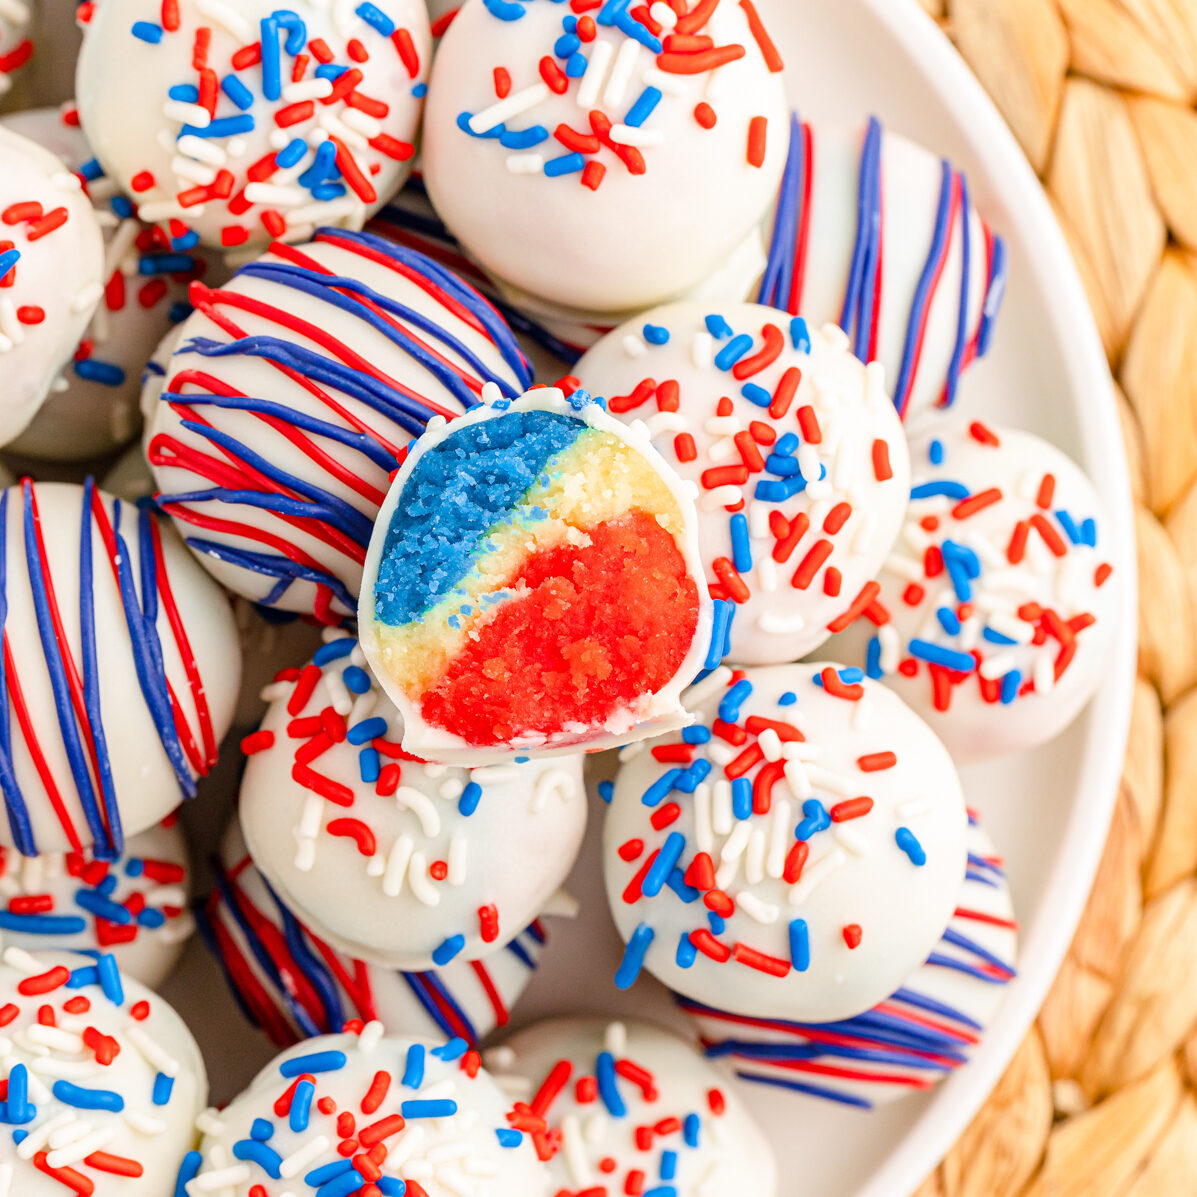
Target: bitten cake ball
121 666
795 854
15 47
797 454
880 236
383 856
51 275
921 1033
135 907
92 406
533 585
237 124
104 1080
291 397
630 1108
357 1115
607 160
998 606
292 985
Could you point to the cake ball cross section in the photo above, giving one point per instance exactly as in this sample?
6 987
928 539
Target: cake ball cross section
533 584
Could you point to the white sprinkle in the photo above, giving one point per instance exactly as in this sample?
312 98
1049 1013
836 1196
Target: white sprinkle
552 783
143 1124
776 624
615 1039
770 744
151 1051
86 297
421 885
722 807
209 1122
495 774
634 345
621 73
669 85
23 962
458 847
1043 674
517 103
370 1037
225 1178
304 1155
851 840
734 845
397 862
636 135
71 1154
703 834
187 114
814 873
596 72
274 195
226 15
202 149
663 15
574 1151
754 860
421 806
702 350
758 910
779 838
39 1136
307 89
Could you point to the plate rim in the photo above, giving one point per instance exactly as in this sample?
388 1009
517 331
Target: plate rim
947 75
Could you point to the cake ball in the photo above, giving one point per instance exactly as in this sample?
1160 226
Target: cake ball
238 124
134 908
630 1108
121 666
358 1114
104 1080
15 47
557 144
795 449
921 1033
795 854
997 607
93 405
880 236
51 275
534 585
292 985
388 858
291 397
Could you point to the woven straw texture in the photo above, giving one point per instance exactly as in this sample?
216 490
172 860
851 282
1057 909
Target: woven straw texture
1101 1098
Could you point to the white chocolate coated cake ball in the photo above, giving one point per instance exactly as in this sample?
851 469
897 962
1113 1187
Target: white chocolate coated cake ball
602 161
385 857
622 1102
794 854
238 124
795 450
998 604
51 275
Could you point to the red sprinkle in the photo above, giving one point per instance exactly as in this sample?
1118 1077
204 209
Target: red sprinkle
852 935
758 129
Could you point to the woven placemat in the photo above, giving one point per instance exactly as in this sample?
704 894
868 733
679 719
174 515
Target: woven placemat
1100 1099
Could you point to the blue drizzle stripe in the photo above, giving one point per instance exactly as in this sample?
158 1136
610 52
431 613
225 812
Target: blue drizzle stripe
14 800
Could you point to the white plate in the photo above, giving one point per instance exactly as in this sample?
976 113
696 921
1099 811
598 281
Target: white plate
1048 811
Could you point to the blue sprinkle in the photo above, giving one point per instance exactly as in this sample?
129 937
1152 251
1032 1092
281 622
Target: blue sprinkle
110 979
741 789
189 1168
82 977
327 1172
104 373
661 788
936 654
1010 684
575 65
369 765
787 699
741 545
8 259
448 949
291 154
367 730
329 70
164 1086
504 10
731 353
150 265
696 734
768 491
189 240
718 926
996 637
943 488
668 1165
261 1130
301 1106
1089 532
508 1137
799 945
787 444
799 336
470 797
241 96
329 1061
907 841
272 80
733 700
948 620
254 1151
147 31
935 452
656 334
88 1099
428 1109
608 1086
376 18
186 93
642 109
452 1050
334 650
633 956
566 164
391 1186
566 45
756 394
718 327
849 676
419 91
152 919
873 659
356 679
668 856
691 1128
692 776
677 882
523 139
225 126
1070 527
722 612
814 819
413 1070
687 953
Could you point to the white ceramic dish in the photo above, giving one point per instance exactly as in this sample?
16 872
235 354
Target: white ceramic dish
1048 810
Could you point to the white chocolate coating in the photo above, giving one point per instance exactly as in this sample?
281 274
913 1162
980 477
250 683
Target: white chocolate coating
53 288
82 897
148 1049
589 496
455 1154
921 1033
150 707
294 535
15 18
707 1144
784 608
93 405
636 239
865 786
381 901
1038 611
255 939
891 248
202 163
